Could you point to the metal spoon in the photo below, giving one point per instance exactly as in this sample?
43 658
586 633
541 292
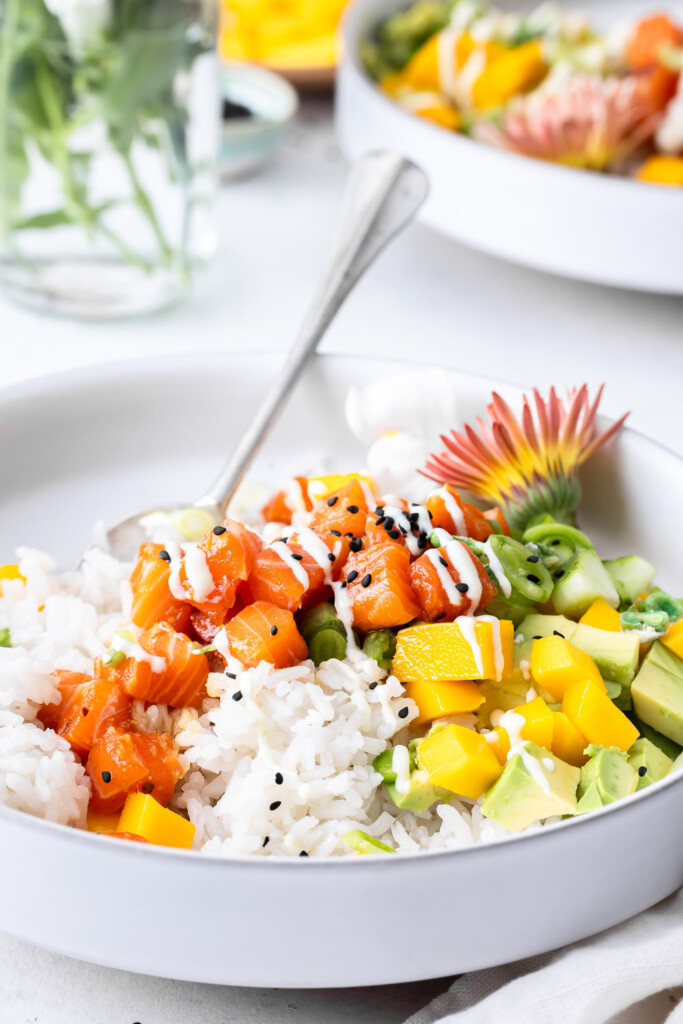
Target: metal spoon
383 194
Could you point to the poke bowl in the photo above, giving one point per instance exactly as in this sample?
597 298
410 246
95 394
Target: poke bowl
306 909
563 208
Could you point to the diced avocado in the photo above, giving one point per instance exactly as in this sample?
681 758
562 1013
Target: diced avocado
514 608
590 801
615 654
677 765
609 771
619 695
667 746
420 795
649 762
534 785
361 842
631 575
657 692
545 625
581 580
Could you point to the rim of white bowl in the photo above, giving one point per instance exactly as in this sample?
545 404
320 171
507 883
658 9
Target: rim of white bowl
170 366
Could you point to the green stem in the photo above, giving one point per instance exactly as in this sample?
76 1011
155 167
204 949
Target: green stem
128 254
9 24
143 201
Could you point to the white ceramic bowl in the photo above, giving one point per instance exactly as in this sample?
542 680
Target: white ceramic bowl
585 225
102 441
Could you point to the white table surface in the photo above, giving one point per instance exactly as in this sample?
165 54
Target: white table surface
427 296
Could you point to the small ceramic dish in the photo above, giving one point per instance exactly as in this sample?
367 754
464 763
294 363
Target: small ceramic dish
258 105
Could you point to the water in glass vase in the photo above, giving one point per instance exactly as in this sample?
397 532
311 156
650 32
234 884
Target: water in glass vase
108 148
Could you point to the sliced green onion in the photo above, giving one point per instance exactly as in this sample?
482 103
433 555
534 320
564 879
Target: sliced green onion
563 540
192 523
361 842
633 619
114 658
530 580
5 638
380 645
324 633
659 601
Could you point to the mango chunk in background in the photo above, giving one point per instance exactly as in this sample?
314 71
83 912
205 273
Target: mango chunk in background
106 824
555 664
595 716
440 652
514 71
602 616
437 699
144 816
459 760
662 170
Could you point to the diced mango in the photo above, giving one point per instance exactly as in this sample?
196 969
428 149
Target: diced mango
673 638
10 572
555 663
108 824
537 727
596 717
514 71
602 616
459 760
442 115
568 743
441 652
662 170
319 486
144 816
434 700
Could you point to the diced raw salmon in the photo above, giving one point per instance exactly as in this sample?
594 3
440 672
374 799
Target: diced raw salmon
152 599
379 588
265 632
122 762
229 551
66 682
183 681
345 510
476 525
281 506
90 709
275 580
431 593
379 534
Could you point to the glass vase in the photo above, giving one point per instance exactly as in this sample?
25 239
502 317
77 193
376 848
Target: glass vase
109 128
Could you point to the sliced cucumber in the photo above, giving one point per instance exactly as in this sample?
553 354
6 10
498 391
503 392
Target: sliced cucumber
545 625
631 575
525 571
563 540
580 581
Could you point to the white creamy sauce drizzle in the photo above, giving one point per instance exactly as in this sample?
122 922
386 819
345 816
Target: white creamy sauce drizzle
513 723
400 764
370 500
453 510
453 596
548 764
316 548
132 649
525 669
414 102
198 573
530 695
342 607
467 570
447 43
281 549
466 625
469 73
294 497
443 536
496 568
222 645
174 584
533 766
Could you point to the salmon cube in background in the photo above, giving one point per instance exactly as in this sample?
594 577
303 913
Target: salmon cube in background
293 498
121 762
469 591
451 513
265 632
344 510
152 599
378 587
441 650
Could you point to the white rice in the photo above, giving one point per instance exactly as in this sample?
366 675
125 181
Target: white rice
317 729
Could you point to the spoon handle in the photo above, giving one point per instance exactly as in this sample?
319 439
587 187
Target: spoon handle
383 194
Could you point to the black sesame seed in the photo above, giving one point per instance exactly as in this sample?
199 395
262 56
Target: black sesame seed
275 804
430 514
422 540
298 558
219 530
331 557
273 630
402 528
642 770
556 632
353 575
394 534
379 511
230 675
372 686
555 543
532 579
147 788
443 561
462 587
237 695
366 581
335 533
266 840
378 522
532 558
343 585
330 600
106 776
164 556
303 854
559 574
403 713
351 535
356 544
440 617
279 778
352 509
332 501
537 638
414 517
389 522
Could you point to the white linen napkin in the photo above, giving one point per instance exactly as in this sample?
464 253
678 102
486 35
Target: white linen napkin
587 983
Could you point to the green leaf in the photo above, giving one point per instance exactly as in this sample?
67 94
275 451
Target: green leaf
53 219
